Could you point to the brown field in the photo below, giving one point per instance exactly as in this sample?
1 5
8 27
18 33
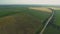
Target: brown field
7 20
55 8
19 24
45 9
41 9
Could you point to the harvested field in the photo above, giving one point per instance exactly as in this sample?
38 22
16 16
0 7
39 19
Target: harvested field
41 9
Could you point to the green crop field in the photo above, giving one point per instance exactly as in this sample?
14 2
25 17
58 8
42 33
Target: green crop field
57 14
21 20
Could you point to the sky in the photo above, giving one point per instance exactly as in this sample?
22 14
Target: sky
53 2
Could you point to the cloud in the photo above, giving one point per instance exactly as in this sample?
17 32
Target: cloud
30 2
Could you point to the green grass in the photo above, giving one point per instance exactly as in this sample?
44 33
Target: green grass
57 17
5 13
51 30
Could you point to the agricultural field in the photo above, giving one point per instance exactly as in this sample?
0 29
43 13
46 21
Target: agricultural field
21 19
27 20
44 9
57 14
